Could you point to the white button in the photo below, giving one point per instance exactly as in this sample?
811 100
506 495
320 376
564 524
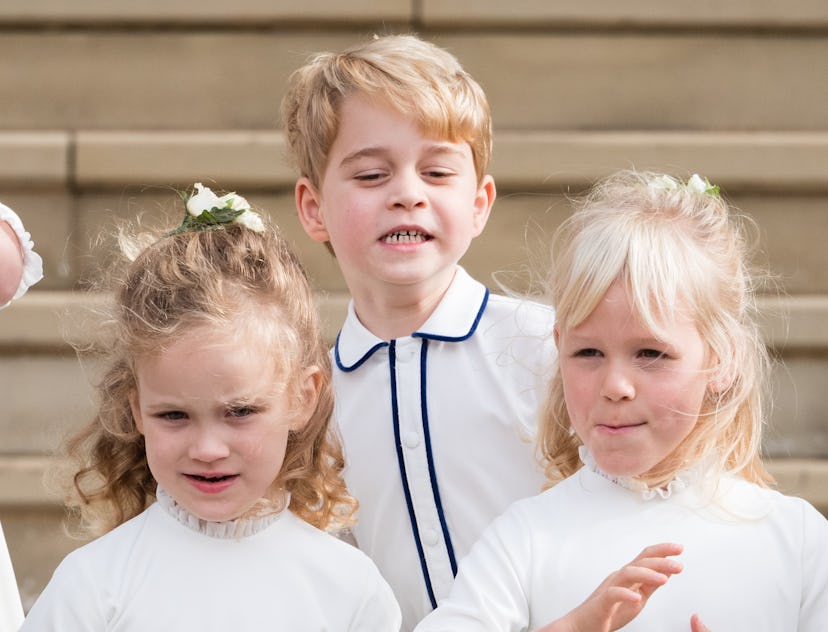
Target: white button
411 440
431 537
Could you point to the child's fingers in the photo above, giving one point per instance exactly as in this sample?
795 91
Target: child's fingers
645 575
664 549
643 581
696 624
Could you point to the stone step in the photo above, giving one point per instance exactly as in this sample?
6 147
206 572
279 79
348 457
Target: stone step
610 14
213 78
68 188
529 160
735 14
47 392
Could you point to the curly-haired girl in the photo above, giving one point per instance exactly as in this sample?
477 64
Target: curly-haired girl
210 465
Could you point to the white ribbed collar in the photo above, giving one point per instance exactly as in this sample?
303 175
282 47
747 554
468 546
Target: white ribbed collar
684 479
239 528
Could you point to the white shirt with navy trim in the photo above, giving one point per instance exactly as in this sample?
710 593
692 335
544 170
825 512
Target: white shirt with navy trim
438 430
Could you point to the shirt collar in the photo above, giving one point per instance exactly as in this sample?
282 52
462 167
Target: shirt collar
455 319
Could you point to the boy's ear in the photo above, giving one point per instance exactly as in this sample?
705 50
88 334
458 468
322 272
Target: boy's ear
310 383
483 201
309 208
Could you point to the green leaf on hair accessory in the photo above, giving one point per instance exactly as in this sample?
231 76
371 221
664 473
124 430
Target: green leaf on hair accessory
702 186
207 211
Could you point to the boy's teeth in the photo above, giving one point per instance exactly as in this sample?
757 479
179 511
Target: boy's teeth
404 236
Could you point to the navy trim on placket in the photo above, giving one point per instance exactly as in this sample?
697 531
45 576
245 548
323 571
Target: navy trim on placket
401 461
432 474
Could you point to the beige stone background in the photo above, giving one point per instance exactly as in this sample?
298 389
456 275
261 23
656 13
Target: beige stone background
104 106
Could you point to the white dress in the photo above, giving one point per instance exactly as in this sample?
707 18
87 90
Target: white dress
166 570
11 610
32 263
760 565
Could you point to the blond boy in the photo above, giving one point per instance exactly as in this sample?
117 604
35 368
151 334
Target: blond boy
437 381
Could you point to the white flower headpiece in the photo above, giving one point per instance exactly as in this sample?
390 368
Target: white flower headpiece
207 211
696 184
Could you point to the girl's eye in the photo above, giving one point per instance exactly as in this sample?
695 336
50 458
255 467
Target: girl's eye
587 353
172 415
242 411
652 354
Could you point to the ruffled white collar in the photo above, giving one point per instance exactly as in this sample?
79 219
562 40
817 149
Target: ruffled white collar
683 480
239 528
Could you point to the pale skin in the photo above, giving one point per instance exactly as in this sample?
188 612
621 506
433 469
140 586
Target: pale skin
631 398
399 208
11 263
624 594
215 414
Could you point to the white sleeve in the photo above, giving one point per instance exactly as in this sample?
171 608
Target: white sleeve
11 610
32 263
379 610
72 600
813 612
491 589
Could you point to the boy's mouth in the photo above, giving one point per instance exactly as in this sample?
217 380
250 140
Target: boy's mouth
405 237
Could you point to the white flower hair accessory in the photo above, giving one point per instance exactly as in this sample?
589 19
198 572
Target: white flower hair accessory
207 211
702 186
696 185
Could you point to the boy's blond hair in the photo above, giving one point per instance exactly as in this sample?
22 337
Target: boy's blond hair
673 248
414 77
183 285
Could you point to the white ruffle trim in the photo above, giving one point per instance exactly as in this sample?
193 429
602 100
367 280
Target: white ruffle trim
239 528
32 263
683 480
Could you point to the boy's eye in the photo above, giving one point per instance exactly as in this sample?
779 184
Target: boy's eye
369 176
438 173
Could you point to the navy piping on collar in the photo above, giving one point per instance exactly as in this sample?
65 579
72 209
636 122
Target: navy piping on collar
358 363
432 474
401 462
416 334
466 336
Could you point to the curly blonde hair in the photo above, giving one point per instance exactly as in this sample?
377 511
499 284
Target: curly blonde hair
412 76
173 285
670 246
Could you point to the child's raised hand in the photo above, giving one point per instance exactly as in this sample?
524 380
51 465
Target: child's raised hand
623 595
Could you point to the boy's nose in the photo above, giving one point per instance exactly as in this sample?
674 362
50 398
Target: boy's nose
406 193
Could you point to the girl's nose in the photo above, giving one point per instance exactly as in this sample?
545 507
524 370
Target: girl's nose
617 384
208 446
